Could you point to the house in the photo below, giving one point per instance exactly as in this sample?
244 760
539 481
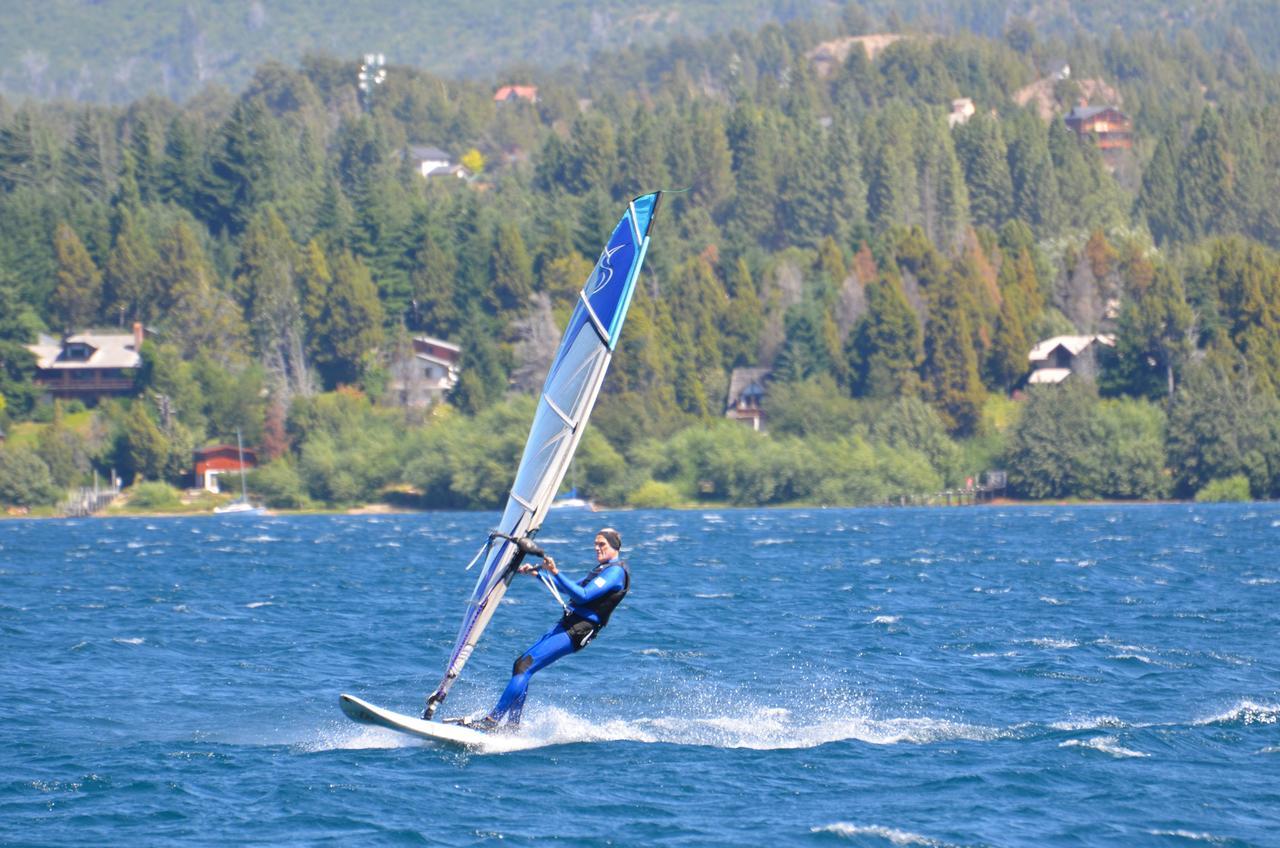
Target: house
1054 360
88 365
434 162
1109 128
747 388
512 93
216 460
427 375
962 109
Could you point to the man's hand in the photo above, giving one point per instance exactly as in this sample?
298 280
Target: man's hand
526 569
550 565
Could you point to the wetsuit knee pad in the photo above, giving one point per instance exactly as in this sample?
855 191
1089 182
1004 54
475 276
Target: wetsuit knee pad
522 664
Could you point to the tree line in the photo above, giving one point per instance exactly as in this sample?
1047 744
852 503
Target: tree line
281 250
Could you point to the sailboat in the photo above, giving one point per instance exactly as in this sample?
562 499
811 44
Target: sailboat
568 396
241 505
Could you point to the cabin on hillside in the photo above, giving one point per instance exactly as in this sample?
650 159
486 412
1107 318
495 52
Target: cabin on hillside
745 403
427 374
1108 127
89 365
962 109
216 460
1054 360
434 162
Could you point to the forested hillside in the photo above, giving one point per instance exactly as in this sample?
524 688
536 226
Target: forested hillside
892 270
120 51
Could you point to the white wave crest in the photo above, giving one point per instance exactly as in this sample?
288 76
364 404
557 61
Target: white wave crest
1246 712
1092 723
892 835
1105 744
1190 835
1059 644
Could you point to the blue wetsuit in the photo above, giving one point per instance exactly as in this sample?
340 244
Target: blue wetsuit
591 601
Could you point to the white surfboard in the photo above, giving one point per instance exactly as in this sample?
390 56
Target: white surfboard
449 734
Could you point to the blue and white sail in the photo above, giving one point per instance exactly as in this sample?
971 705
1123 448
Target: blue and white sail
570 391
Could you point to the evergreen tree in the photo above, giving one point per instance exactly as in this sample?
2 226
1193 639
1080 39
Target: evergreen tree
510 271
1206 185
266 281
981 149
200 317
1154 338
349 331
77 295
1158 200
133 283
179 177
884 351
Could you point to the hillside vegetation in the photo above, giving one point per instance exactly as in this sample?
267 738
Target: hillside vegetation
892 270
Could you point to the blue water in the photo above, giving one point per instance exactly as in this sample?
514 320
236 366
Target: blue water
1071 676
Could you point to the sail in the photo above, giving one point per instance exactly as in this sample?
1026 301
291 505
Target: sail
568 395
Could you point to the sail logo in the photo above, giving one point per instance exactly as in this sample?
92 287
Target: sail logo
603 273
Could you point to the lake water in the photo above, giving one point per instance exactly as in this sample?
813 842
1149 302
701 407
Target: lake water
1073 676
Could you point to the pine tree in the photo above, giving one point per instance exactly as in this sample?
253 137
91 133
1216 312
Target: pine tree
200 317
133 284
510 271
1158 200
981 149
266 282
180 170
884 351
1206 185
77 295
350 328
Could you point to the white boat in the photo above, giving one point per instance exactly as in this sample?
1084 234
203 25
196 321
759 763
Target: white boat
241 505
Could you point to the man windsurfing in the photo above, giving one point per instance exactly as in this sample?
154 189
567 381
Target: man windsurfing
590 602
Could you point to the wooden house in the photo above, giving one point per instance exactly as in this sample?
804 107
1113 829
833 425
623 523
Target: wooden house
745 403
1109 128
89 365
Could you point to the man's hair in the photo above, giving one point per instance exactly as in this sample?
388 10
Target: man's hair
613 537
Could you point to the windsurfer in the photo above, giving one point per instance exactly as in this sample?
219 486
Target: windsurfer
591 601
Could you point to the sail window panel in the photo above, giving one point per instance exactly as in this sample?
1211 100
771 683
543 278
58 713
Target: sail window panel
548 440
606 289
569 382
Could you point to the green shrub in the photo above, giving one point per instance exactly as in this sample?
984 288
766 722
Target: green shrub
279 485
154 495
654 494
24 478
1233 488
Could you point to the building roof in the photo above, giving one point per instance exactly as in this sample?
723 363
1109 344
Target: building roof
109 350
1073 344
1084 113
523 92
743 379
427 153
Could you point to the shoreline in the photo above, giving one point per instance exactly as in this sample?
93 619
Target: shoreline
389 509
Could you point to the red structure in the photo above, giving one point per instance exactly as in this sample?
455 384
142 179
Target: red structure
216 460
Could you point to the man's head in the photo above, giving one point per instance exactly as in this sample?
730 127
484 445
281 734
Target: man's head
608 544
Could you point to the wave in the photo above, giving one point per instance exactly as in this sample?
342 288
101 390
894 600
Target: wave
1245 712
892 835
1105 744
1191 835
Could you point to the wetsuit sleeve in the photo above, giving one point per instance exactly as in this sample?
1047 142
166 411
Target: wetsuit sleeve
610 579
